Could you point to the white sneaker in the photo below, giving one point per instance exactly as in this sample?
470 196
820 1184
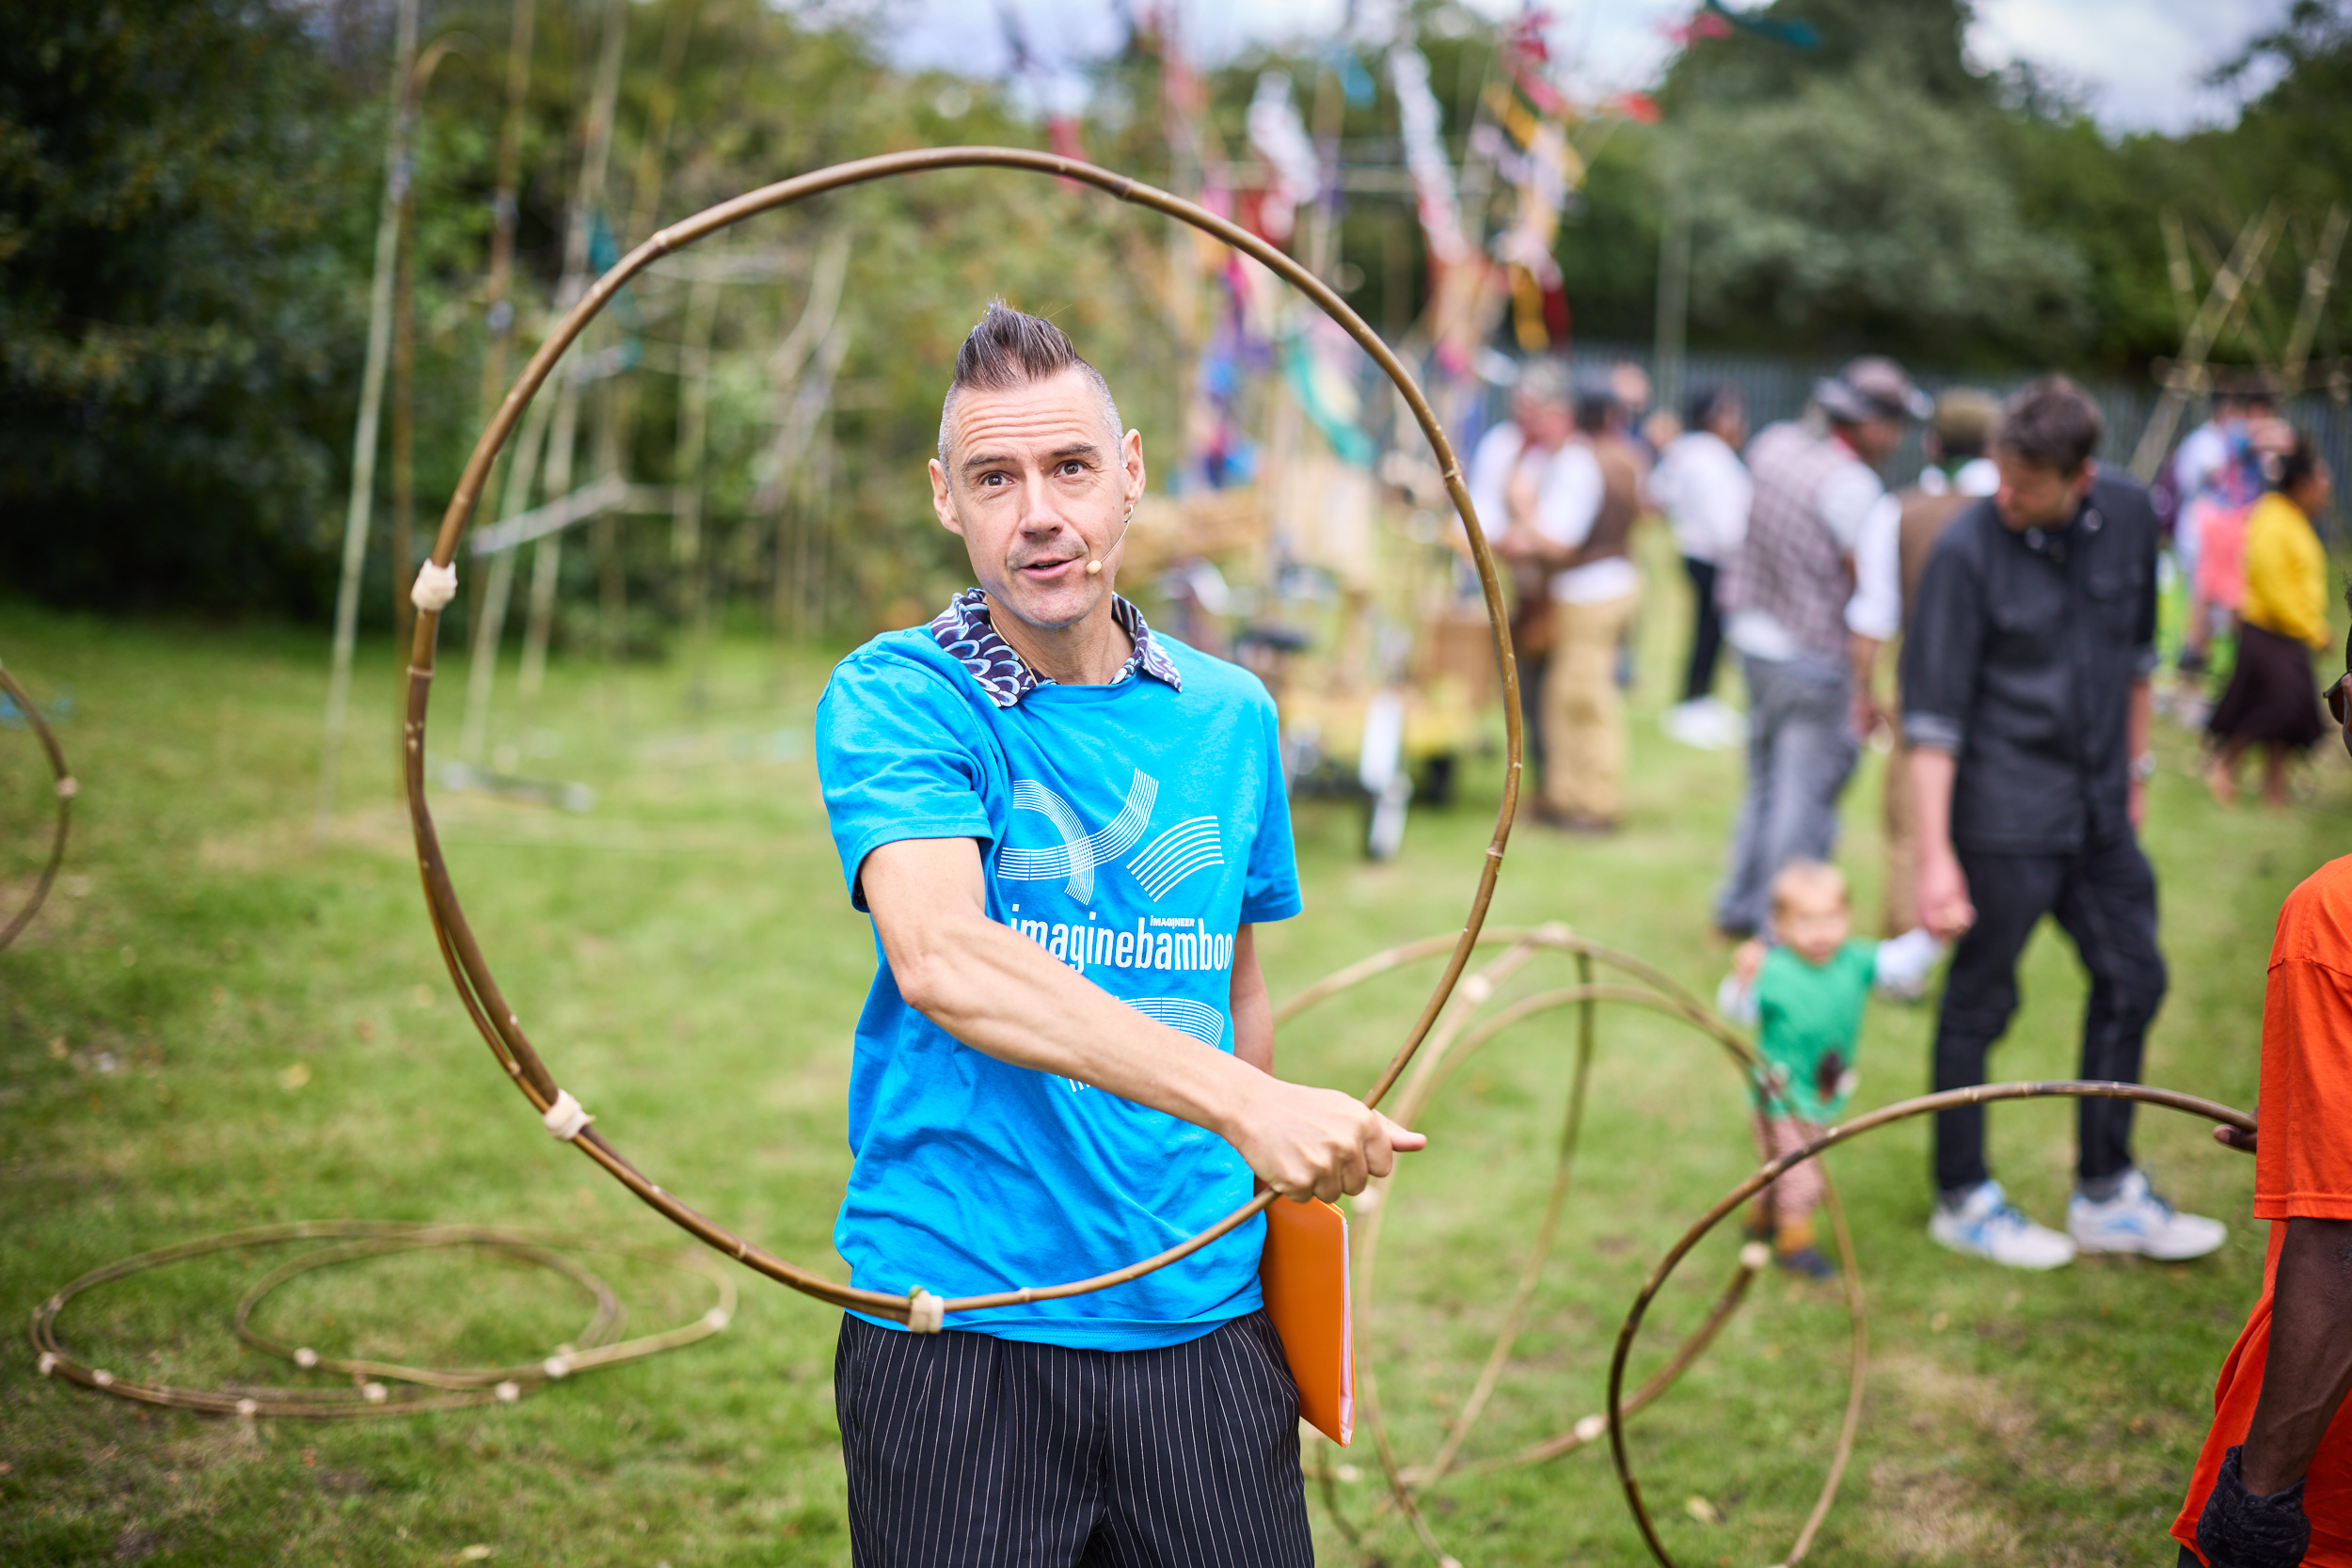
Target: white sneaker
1705 722
1986 1227
2136 1220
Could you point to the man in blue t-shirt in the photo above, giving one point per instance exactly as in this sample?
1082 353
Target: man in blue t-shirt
1065 828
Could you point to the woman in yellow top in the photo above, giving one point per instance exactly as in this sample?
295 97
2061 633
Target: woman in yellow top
2272 700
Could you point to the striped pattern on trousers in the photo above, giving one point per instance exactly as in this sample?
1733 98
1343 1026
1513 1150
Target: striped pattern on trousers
965 1451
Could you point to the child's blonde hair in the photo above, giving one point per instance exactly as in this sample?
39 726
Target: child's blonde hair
1799 877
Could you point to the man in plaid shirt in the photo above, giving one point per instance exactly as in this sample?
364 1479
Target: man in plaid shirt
1784 594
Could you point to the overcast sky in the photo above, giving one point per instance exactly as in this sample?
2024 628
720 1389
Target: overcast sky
2138 61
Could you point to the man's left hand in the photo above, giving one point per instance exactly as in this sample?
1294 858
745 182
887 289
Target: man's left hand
2136 803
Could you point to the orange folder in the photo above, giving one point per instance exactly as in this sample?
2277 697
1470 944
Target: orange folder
1304 1273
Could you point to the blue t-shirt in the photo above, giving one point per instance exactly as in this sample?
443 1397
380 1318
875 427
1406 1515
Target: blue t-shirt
1128 830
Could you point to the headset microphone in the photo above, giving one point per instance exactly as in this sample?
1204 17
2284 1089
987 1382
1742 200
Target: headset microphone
1094 567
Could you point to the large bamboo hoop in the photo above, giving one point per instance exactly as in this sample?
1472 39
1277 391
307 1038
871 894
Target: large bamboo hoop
1764 1176
470 968
67 788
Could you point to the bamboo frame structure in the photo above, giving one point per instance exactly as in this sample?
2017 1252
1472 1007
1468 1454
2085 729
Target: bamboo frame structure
1458 1036
67 788
1765 1175
360 1239
468 966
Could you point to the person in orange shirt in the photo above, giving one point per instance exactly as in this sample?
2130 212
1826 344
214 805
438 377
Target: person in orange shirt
2273 1487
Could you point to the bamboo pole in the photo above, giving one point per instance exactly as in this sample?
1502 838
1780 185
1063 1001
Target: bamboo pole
547 555
686 521
396 172
489 623
2319 278
2221 307
653 153
500 309
405 366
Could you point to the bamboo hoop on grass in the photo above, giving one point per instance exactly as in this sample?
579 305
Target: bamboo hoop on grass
460 1388
478 989
1453 1042
67 788
599 1332
1885 1115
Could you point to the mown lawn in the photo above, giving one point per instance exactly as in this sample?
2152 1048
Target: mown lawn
219 1023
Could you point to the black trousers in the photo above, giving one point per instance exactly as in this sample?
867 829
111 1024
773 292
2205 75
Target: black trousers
1706 631
965 1450
2105 899
1532 668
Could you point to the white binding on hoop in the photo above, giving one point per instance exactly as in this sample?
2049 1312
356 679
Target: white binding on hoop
925 1312
436 586
565 1118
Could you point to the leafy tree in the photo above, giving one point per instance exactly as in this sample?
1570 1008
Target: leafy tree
1858 213
177 230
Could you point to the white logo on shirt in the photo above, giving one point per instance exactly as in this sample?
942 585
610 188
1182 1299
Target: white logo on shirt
1193 845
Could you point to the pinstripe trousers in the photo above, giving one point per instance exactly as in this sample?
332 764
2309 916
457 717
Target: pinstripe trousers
965 1450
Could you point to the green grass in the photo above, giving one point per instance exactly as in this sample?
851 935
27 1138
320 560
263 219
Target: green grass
688 964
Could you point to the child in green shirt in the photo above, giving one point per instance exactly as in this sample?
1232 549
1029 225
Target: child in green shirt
1805 995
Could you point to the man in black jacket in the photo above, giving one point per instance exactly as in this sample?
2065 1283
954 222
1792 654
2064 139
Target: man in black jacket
2025 702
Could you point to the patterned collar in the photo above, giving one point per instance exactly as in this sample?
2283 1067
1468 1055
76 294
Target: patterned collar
965 631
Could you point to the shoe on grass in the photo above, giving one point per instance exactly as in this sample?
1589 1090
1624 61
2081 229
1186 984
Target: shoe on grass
2136 1220
1806 1262
1705 722
1985 1224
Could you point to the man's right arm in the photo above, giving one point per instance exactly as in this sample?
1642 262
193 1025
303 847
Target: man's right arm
1941 653
1944 906
999 993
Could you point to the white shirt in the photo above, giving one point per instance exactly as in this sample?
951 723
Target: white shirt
1978 476
1876 609
2200 451
1844 503
1705 490
1567 500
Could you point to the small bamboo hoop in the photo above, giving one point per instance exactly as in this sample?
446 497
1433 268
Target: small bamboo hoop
67 788
1765 1175
369 1237
469 968
599 1332
1656 991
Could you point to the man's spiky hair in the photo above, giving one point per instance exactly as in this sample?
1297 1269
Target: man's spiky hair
1009 350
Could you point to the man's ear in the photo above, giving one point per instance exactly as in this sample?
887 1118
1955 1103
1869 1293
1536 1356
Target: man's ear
943 500
1131 461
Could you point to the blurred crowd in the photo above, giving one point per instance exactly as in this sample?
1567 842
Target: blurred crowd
1993 623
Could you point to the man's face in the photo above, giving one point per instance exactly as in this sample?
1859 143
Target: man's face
1876 439
1545 424
1039 485
2032 496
